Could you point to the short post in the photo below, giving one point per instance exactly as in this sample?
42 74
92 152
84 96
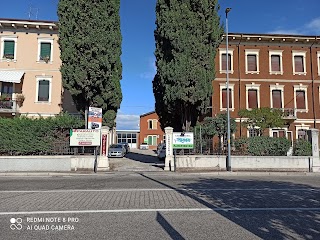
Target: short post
103 161
169 149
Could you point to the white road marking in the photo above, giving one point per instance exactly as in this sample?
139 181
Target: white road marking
159 189
157 210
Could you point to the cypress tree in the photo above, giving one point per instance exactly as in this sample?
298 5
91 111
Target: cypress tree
187 35
90 44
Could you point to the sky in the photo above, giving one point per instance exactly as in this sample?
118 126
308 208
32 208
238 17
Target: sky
138 45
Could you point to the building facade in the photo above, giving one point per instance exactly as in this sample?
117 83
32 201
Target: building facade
276 71
128 136
150 130
30 79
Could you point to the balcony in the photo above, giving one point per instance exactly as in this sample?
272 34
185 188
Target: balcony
289 113
8 106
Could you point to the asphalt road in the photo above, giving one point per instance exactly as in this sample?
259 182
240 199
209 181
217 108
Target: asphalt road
157 205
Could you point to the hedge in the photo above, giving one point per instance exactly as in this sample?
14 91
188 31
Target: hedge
26 136
302 148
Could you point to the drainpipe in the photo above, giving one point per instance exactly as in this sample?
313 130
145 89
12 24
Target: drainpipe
312 75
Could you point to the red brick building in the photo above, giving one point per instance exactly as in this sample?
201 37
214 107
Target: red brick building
265 70
276 71
150 130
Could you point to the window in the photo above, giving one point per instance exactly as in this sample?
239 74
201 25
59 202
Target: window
254 132
300 96
252 95
45 50
152 140
223 97
275 62
276 96
276 99
278 133
302 134
299 62
152 124
43 89
318 57
223 60
8 46
252 61
7 89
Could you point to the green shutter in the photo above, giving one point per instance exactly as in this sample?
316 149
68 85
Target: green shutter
45 51
43 91
8 51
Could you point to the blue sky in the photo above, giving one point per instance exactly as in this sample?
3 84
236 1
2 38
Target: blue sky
138 24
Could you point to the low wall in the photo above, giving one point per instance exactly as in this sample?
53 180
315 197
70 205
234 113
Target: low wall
246 163
46 163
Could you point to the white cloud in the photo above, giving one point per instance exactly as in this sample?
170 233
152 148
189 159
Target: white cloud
152 69
314 25
127 121
310 28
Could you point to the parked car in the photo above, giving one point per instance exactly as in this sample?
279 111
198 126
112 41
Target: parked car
144 146
116 150
126 146
162 152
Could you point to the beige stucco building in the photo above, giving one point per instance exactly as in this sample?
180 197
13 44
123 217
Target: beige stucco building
30 78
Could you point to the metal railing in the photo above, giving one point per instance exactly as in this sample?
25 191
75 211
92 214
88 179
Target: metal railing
8 106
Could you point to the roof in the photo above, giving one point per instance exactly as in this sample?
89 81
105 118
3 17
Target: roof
28 24
148 113
11 76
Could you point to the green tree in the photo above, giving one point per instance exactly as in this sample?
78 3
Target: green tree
262 118
187 35
90 44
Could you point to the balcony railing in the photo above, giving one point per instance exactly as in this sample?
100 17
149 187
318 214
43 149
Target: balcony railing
289 113
8 106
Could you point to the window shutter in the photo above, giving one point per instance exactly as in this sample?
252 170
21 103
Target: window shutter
224 98
43 91
252 62
252 98
224 62
8 48
275 63
45 50
276 99
298 62
301 100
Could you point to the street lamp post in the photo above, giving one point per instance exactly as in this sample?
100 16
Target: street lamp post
228 95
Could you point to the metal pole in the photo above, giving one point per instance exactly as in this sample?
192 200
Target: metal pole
228 95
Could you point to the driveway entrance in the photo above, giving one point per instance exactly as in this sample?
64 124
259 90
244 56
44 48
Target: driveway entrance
137 160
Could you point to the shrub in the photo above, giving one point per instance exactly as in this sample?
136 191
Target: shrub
263 146
26 136
302 148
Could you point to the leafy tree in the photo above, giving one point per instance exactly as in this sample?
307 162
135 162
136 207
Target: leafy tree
90 44
262 118
187 35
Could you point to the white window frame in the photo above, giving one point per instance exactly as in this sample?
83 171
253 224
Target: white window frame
255 87
301 127
249 128
302 88
277 87
318 60
252 52
278 53
154 124
45 40
231 87
273 130
38 79
299 53
224 51
8 38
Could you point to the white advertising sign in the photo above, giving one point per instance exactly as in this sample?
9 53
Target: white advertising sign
84 137
182 140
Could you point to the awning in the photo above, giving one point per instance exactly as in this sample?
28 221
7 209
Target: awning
11 76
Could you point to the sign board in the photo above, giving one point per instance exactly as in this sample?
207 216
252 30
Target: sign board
182 140
84 137
94 118
104 145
